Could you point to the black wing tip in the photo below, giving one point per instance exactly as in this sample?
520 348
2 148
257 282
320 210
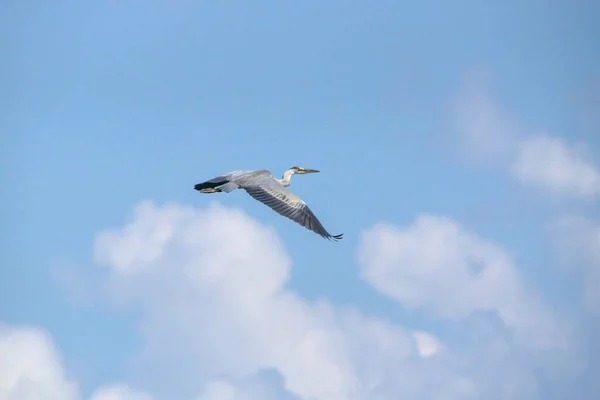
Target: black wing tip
209 187
335 238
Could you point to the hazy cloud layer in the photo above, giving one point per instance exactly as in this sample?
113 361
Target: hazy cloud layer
219 323
489 134
577 245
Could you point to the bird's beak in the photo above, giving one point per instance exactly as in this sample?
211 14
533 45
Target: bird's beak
310 171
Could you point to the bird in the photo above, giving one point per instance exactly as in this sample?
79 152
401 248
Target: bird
267 189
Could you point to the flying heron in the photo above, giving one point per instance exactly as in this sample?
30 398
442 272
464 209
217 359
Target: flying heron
267 189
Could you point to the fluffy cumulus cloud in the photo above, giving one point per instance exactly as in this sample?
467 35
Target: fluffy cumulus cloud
552 163
217 313
213 291
219 322
31 368
544 161
438 265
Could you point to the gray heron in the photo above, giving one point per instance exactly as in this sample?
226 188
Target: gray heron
267 189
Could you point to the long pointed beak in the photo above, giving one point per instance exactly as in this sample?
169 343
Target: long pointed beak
310 171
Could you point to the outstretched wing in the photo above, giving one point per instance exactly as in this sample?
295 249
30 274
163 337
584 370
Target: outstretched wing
270 192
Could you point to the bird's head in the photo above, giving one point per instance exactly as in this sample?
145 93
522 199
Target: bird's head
302 170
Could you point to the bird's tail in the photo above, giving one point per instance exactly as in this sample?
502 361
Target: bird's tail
215 185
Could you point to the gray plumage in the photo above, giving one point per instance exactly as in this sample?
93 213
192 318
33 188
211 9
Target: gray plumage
267 189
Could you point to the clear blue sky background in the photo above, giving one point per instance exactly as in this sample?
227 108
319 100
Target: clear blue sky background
107 103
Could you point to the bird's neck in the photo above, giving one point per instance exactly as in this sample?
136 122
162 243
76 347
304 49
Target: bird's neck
286 180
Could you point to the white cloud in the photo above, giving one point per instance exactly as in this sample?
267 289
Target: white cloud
215 303
211 285
427 344
217 316
219 391
551 163
437 265
267 385
31 368
119 392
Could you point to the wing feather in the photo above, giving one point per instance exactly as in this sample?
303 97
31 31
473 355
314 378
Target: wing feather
271 193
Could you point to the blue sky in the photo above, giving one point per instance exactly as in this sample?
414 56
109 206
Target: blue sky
108 104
